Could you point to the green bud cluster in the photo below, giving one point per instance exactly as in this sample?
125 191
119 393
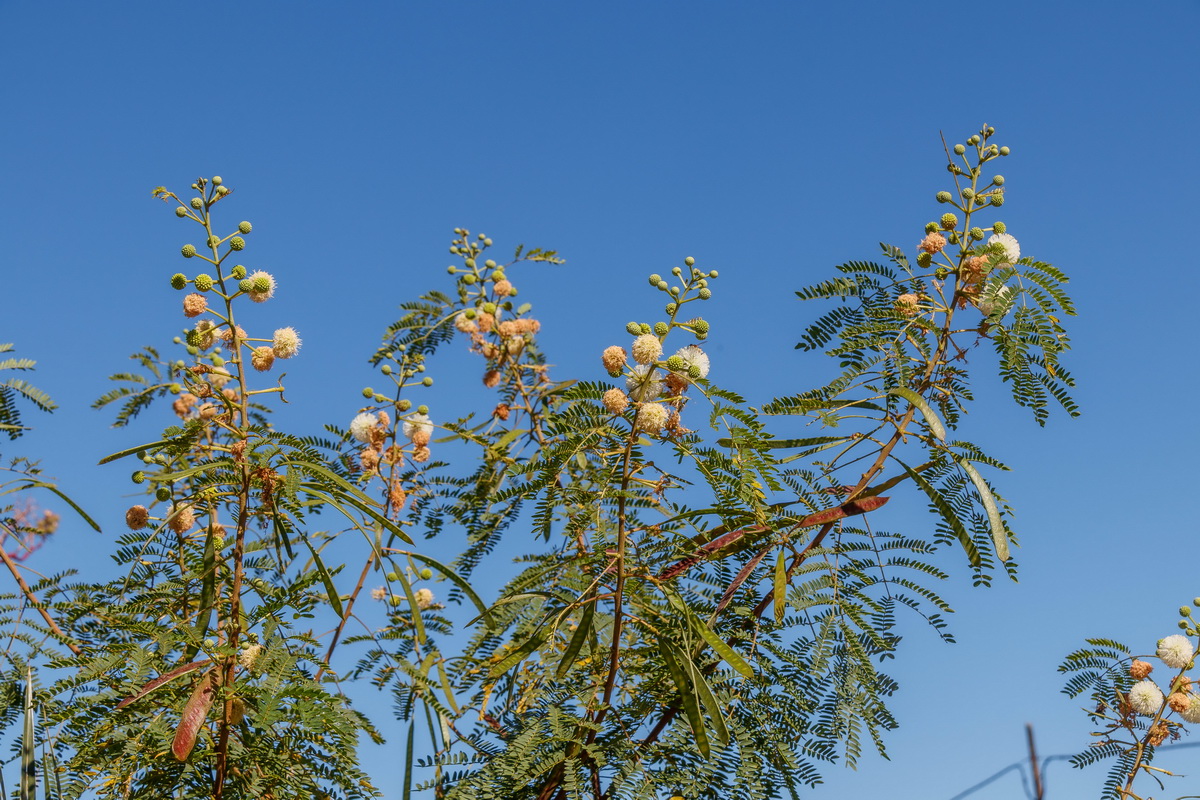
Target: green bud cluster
193 337
997 200
712 273
644 328
930 227
967 193
427 381
197 203
694 371
246 285
490 264
944 197
700 326
180 211
386 369
237 243
245 227
179 281
489 308
203 282
368 392
633 329
976 233
655 279
689 261
188 250
468 279
213 241
924 259
261 284
676 364
941 273
999 227
704 293
238 272
949 221
422 409
998 180
671 308
138 477
404 405
959 149
1004 151
661 328
163 493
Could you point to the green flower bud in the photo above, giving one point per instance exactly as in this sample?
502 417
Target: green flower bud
193 337
261 284
487 242
976 233
930 227
490 264
712 273
998 180
451 269
396 599
489 308
427 381
213 241
989 131
393 576
163 493
238 272
245 227
193 350
967 193
222 191
661 328
237 243
1004 151
924 259
177 340
662 285
633 329
404 405
941 273
973 140
197 203
426 574
671 308
655 279
999 227
644 328
689 261
468 279
175 388
378 398
179 281
953 238
180 211
454 249
676 271
694 371
138 477
216 181
997 200
216 360
676 364
704 294
368 392
422 409
386 369
1185 611
700 326
203 282
944 197
949 221
498 275
1184 624
469 263
188 250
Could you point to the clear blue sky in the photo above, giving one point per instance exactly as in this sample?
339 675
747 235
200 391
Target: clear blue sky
769 140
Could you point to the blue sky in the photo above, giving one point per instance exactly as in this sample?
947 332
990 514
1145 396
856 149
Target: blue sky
769 140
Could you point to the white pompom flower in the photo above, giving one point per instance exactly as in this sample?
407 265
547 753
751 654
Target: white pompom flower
644 384
1012 250
360 427
417 423
1176 651
1146 698
693 356
1192 712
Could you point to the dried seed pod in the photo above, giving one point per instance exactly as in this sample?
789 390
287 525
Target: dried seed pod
194 714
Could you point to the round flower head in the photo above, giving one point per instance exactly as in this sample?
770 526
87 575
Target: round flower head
225 333
286 343
484 321
421 437
1176 651
415 423
491 378
651 417
424 598
262 358
1192 712
184 519
249 656
906 304
1179 702
1139 669
194 305
137 517
646 349
420 455
933 243
262 286
503 288
368 459
206 333
1146 698
693 356
616 401
379 593
465 325
360 426
644 383
1012 250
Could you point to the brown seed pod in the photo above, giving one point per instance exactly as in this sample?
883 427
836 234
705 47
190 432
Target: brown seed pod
194 714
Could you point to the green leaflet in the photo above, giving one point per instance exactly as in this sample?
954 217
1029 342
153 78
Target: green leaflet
999 535
131 450
944 508
691 708
931 418
28 768
705 693
53 488
535 641
335 602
